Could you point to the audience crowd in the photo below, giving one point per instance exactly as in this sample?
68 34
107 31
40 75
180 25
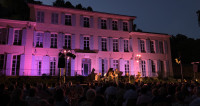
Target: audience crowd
100 94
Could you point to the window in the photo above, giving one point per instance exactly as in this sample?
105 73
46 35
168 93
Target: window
86 43
86 22
53 67
115 64
39 39
115 45
161 47
125 26
142 45
67 41
143 68
114 25
54 18
103 24
104 44
3 35
17 37
2 63
152 47
103 67
39 66
153 66
40 16
68 20
53 40
126 67
15 64
125 45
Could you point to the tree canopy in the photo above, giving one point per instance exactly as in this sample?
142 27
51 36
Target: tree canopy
187 49
67 4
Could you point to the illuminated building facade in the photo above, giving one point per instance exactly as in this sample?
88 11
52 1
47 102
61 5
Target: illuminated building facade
99 40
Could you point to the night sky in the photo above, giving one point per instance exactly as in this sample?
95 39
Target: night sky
160 16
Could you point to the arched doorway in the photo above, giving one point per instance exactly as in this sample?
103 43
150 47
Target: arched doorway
86 66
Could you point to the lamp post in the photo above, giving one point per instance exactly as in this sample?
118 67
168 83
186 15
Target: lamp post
138 58
63 56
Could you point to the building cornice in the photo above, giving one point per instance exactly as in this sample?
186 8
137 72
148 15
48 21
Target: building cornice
84 12
150 34
17 21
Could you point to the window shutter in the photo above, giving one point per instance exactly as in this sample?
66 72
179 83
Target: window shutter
108 44
45 65
73 20
111 63
140 67
106 65
73 42
91 42
81 21
72 67
167 68
157 46
166 47
10 36
149 68
60 41
91 22
99 43
130 44
148 45
158 66
121 45
47 40
24 31
22 61
111 44
110 23
131 67
100 65
121 66
139 46
81 42
34 68
8 64
99 23
34 38
130 26
120 25
62 18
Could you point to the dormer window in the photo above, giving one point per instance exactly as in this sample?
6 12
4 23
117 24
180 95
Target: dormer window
114 25
86 22
125 26
40 16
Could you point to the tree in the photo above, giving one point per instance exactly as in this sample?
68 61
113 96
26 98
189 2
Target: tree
17 10
68 5
198 13
89 8
79 6
59 3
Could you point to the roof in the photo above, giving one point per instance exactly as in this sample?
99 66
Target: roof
74 9
151 34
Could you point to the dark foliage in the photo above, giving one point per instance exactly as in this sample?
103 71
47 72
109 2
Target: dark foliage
16 9
79 6
89 8
59 3
186 48
68 5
